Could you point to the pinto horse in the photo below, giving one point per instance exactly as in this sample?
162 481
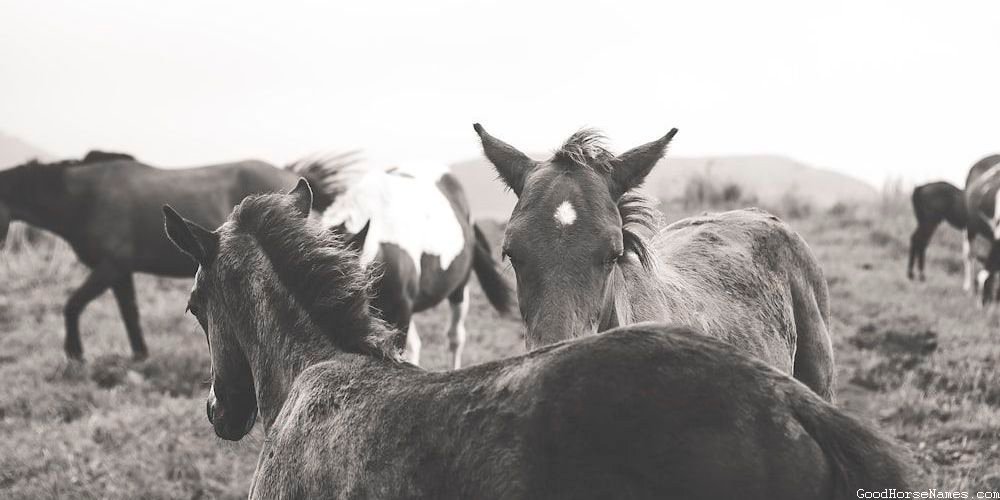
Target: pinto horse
107 207
982 186
578 242
646 411
933 203
415 227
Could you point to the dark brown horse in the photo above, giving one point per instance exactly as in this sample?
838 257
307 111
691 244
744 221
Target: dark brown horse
107 207
933 203
647 411
414 225
982 187
578 242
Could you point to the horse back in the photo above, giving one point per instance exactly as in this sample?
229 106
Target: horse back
640 412
737 275
120 207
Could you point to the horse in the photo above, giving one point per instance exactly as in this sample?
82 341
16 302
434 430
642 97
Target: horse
107 207
579 242
644 411
933 203
413 225
981 190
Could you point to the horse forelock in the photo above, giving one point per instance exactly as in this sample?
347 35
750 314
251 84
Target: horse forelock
587 148
315 267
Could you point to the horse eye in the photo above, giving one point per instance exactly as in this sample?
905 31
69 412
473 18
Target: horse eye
613 258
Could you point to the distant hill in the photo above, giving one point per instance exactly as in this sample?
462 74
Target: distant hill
768 177
14 151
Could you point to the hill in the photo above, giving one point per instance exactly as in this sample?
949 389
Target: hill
768 177
14 151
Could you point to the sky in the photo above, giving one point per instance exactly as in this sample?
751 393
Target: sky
874 89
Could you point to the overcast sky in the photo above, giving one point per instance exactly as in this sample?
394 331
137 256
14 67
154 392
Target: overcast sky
871 88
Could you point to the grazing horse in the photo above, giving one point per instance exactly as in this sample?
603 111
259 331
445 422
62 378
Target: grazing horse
646 411
981 191
933 203
107 207
577 240
415 227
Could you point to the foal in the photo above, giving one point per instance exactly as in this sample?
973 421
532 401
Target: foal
578 242
648 411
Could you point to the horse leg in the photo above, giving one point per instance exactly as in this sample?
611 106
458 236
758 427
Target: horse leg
459 300
413 344
914 245
918 247
99 280
969 284
124 290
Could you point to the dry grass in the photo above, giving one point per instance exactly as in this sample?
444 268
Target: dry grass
918 358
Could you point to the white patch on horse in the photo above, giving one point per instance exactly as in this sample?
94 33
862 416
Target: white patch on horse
981 278
406 210
995 219
565 214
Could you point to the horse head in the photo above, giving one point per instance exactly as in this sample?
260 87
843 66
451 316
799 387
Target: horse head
568 232
232 403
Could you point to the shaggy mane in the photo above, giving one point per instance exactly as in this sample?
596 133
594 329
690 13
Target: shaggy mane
640 222
332 173
315 266
587 148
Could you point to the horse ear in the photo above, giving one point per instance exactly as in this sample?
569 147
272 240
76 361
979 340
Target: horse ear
512 165
632 166
302 197
357 240
199 243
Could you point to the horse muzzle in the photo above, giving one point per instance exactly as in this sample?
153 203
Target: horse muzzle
231 421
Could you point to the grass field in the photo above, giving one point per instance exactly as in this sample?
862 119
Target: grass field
917 358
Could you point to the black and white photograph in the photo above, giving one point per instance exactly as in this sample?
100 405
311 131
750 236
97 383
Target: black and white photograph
487 249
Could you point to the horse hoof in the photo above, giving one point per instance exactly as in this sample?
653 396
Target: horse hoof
139 357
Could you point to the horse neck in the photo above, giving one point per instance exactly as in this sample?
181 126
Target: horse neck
37 196
285 346
279 354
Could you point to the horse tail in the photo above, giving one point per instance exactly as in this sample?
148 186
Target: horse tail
329 175
497 290
859 457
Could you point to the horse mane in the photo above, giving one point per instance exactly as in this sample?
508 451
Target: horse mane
97 156
316 267
333 173
92 156
640 222
587 148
